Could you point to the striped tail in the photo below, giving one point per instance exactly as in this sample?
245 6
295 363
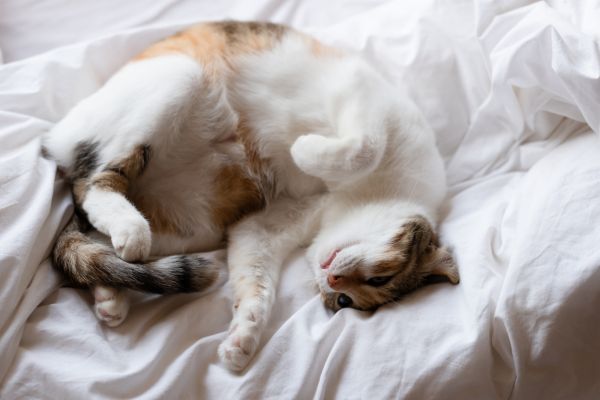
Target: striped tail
87 262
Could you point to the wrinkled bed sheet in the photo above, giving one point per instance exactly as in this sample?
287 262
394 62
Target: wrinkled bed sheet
512 90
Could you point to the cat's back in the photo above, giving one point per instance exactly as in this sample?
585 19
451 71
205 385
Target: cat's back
216 45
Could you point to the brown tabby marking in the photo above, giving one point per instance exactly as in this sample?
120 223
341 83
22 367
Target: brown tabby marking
117 175
86 161
73 247
87 263
245 37
114 178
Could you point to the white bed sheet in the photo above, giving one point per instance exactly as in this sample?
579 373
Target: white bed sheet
512 90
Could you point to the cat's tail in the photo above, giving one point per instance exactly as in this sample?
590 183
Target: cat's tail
88 262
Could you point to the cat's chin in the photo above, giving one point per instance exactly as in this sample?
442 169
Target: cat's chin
323 257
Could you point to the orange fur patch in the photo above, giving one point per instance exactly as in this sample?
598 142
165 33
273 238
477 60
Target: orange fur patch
117 176
318 49
236 195
159 220
133 165
214 44
80 188
110 181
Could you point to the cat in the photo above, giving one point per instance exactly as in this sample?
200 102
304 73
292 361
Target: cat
254 137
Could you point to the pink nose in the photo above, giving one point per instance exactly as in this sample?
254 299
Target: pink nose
334 280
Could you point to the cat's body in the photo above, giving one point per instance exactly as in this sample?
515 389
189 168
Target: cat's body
257 134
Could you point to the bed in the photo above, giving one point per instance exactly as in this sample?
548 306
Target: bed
512 90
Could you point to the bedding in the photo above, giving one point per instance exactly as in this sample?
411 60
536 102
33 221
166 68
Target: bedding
512 90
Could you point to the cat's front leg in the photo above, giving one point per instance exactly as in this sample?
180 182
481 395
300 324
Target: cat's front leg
102 194
112 214
257 248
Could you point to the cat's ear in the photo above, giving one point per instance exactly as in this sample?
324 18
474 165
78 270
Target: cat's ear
441 266
436 261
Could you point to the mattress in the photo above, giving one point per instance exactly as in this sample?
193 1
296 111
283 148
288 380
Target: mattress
512 90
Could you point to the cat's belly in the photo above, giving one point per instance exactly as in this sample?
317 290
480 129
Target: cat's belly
202 240
182 199
181 218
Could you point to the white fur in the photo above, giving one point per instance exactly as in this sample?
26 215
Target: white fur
351 157
133 105
112 214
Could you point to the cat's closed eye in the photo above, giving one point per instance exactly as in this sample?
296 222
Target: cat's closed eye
378 281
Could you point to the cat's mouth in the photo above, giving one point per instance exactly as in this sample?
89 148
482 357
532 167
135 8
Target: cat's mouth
327 263
332 256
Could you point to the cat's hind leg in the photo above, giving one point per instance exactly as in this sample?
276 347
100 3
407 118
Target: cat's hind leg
107 140
111 305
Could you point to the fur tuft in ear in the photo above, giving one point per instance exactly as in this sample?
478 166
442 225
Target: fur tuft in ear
441 266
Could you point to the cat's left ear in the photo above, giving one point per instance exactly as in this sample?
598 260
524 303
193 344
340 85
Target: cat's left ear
441 265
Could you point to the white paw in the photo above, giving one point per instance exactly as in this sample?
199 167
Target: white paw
237 349
111 305
305 152
132 239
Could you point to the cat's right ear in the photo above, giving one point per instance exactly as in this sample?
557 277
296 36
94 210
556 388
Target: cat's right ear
441 266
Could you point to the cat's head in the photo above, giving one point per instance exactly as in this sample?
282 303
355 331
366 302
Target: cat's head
365 260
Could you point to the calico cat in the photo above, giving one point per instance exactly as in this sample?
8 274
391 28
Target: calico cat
257 137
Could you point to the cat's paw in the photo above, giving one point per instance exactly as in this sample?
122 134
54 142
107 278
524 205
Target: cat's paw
241 343
111 305
132 239
239 347
335 158
306 150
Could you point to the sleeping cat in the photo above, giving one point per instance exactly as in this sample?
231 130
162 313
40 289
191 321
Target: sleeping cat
257 136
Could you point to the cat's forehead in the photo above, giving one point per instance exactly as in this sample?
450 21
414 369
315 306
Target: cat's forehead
416 231
390 261
405 238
